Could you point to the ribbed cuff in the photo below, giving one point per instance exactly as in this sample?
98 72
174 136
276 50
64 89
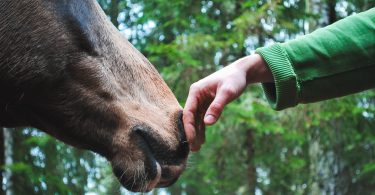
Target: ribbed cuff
283 93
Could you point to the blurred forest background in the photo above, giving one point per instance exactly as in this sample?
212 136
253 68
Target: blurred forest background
321 148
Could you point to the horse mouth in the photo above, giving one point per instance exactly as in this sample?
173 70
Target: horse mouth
154 170
139 181
167 176
167 172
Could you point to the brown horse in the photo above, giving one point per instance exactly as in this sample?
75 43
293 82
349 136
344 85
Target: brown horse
65 69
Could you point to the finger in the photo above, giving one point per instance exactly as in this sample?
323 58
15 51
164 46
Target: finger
189 120
201 129
189 113
223 97
201 137
189 126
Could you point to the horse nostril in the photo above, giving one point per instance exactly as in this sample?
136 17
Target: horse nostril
150 141
145 135
140 130
155 145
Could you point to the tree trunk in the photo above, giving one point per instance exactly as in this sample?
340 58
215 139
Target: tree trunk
314 155
322 165
251 174
8 157
113 12
2 160
332 17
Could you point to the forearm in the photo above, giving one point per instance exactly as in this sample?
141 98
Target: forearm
330 62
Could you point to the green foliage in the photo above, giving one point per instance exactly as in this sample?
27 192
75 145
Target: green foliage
43 165
303 150
292 148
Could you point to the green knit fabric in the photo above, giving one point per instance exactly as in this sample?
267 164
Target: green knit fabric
330 62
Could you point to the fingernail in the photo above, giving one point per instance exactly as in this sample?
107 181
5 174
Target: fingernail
209 119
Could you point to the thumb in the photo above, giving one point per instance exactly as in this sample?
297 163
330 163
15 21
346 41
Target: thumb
223 97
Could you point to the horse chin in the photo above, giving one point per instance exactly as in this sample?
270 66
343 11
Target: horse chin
141 178
153 183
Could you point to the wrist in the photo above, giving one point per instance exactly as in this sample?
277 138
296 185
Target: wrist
256 69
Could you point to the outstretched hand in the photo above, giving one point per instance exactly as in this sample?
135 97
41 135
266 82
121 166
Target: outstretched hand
208 97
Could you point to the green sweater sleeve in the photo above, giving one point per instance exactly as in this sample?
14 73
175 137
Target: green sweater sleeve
333 61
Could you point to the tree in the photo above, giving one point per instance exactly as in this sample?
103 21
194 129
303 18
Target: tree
322 148
291 148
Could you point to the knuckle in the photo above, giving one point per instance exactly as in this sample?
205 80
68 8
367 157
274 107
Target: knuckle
187 116
216 107
194 87
229 90
186 113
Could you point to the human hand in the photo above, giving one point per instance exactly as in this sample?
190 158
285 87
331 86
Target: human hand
207 97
